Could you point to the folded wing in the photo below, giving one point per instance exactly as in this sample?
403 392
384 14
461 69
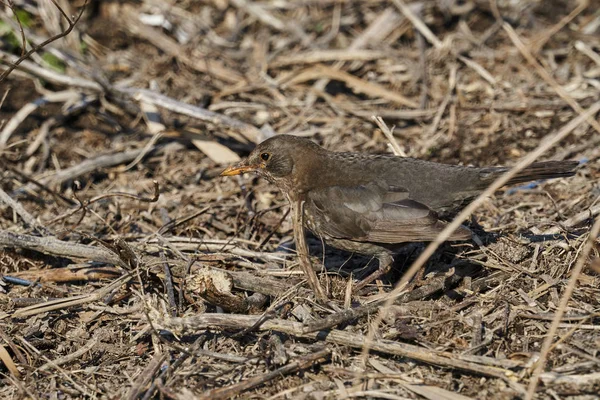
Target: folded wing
374 213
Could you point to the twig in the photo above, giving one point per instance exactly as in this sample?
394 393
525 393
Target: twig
345 316
15 349
148 148
258 11
377 30
208 65
168 282
174 223
36 48
82 388
84 204
545 75
71 274
478 68
430 36
562 306
422 46
431 132
351 339
147 376
52 76
574 220
540 40
319 56
23 213
44 130
89 165
418 24
30 107
193 244
588 51
231 391
394 114
8 362
50 245
10 4
389 135
61 304
250 132
357 84
251 282
73 356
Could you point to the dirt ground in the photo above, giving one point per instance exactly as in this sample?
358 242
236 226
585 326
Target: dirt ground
131 270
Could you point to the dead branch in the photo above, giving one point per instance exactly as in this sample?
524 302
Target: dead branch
36 48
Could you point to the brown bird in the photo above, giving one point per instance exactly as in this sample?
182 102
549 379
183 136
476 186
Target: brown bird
370 204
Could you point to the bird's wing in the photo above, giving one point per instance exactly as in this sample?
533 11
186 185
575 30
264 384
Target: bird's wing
373 213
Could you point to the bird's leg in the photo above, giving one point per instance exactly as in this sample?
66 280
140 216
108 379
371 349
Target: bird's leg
302 249
385 264
417 279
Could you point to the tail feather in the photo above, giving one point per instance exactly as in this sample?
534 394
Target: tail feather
536 171
545 170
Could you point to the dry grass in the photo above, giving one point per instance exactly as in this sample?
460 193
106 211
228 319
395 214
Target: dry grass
110 292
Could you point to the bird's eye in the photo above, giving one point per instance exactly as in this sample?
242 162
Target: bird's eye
265 156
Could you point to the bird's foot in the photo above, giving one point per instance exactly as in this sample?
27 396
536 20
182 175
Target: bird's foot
417 280
372 277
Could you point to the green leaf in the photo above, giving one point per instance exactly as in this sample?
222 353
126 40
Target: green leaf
10 39
24 17
54 62
4 28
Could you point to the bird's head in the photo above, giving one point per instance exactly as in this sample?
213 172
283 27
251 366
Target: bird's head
281 157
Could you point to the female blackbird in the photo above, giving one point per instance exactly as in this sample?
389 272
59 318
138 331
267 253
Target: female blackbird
371 203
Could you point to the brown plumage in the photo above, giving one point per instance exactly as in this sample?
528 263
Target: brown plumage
370 203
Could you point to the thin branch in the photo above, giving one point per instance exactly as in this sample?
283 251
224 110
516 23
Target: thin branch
40 46
389 135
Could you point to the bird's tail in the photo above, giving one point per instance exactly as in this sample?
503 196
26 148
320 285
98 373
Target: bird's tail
536 171
545 170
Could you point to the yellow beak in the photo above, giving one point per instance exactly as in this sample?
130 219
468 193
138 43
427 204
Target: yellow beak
239 169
